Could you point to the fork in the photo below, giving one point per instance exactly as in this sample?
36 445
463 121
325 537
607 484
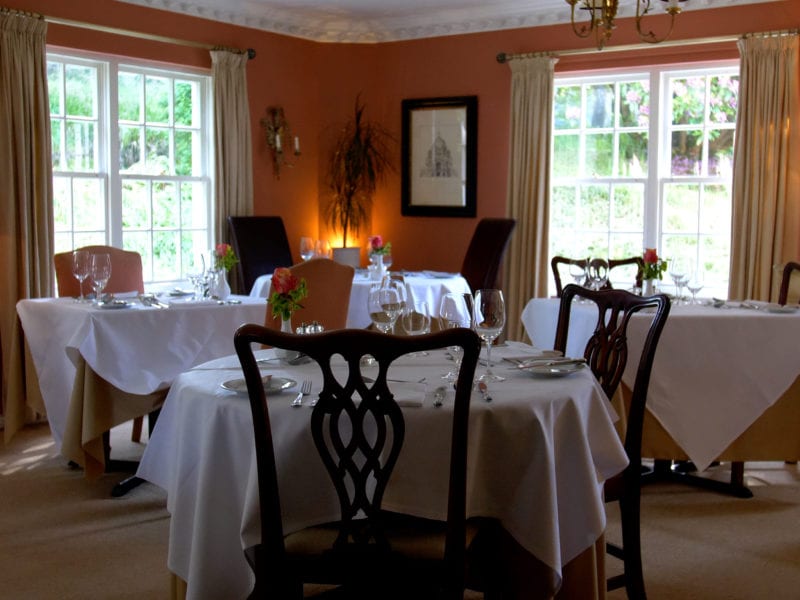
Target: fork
305 390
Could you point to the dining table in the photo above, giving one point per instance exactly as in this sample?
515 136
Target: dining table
538 455
725 383
97 365
428 286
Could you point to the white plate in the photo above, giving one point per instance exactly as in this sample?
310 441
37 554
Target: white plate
178 293
554 370
271 384
782 310
113 304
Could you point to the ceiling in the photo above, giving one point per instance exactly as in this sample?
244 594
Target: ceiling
371 21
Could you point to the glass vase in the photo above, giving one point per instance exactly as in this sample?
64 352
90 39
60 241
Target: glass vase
282 353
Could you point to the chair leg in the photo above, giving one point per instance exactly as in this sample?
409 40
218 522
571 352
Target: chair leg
632 547
136 432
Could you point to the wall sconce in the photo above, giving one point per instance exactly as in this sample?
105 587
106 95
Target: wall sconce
278 134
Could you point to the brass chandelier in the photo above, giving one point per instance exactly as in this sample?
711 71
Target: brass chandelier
602 14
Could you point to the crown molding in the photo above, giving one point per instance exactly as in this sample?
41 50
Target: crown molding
316 22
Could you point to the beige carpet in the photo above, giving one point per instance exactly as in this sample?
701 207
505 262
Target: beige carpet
62 537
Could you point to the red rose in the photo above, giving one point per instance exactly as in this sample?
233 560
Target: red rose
283 281
650 256
376 242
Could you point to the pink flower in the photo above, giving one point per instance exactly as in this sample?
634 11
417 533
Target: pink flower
650 256
283 281
376 242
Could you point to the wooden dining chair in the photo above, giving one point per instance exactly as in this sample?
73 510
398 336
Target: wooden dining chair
606 354
126 271
559 263
260 243
788 269
626 265
328 300
358 431
126 276
484 255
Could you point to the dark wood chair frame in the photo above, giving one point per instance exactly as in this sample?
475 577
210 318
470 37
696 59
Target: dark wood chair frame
484 256
610 264
361 556
788 268
606 354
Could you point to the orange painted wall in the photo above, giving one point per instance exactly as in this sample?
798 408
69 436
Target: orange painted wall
318 83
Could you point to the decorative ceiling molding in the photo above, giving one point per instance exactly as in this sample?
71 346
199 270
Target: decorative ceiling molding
374 21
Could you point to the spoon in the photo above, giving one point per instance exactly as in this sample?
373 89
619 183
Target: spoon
438 396
484 390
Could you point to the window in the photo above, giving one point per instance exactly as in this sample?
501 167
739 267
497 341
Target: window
131 161
645 160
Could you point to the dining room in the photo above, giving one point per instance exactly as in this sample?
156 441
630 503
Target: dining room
301 85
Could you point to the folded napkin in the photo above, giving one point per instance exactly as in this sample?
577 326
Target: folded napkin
439 274
191 302
408 394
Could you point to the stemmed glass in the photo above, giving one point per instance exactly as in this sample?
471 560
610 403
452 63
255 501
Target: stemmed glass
455 311
101 272
678 271
416 320
489 320
306 248
695 283
578 272
81 268
598 273
385 303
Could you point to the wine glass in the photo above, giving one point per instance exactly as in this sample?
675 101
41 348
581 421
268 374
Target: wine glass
416 320
384 304
387 261
598 273
678 271
81 268
306 248
695 283
489 320
101 272
454 311
578 272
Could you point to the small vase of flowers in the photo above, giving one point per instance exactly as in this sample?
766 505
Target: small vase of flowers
380 253
654 268
224 259
286 293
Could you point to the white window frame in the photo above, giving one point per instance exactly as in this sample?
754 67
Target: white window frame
107 151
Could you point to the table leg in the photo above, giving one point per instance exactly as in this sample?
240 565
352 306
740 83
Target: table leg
664 470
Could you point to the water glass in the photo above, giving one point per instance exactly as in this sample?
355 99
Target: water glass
679 272
81 269
384 304
306 248
454 311
101 273
695 283
489 320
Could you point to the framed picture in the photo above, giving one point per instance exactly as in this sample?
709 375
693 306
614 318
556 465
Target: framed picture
440 156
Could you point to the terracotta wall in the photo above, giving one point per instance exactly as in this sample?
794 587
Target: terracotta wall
317 85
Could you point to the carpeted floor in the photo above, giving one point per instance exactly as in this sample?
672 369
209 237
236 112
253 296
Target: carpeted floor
66 538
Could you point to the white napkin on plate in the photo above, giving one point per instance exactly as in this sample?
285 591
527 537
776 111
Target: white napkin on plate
408 394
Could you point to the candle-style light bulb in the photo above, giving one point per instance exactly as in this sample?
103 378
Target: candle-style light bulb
296 145
277 142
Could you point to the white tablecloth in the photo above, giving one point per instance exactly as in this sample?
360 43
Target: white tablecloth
538 455
139 349
424 285
716 370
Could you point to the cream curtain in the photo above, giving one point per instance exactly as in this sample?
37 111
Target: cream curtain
26 223
766 202
525 270
234 152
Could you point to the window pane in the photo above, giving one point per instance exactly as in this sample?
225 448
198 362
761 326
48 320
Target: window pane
680 207
157 151
194 211
62 204
563 213
165 206
715 210
185 104
55 143
720 152
184 145
135 205
130 97
88 204
81 91
566 155
600 106
80 146
723 101
130 144
165 255
687 152
634 110
628 209
688 100
599 154
567 107
594 208
157 94
54 83
632 154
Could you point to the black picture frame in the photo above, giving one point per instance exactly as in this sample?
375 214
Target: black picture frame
447 128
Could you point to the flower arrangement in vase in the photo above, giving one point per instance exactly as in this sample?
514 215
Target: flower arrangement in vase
224 259
654 268
287 292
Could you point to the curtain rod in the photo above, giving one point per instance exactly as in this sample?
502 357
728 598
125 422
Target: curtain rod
251 53
503 57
